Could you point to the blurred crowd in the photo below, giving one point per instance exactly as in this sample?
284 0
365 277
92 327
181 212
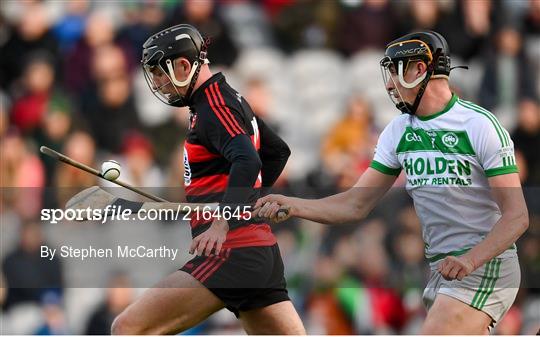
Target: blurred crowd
70 79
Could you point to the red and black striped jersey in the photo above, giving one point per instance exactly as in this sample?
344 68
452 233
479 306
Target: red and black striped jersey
224 131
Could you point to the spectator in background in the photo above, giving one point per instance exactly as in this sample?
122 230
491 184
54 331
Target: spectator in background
37 92
408 274
409 255
109 107
511 322
170 134
532 18
366 287
55 322
532 39
99 32
142 20
259 97
139 168
347 149
119 295
54 131
68 180
324 314
306 24
202 14
420 15
3 290
70 28
28 276
19 167
257 92
23 172
4 116
507 77
530 258
351 294
467 26
368 26
31 34
527 142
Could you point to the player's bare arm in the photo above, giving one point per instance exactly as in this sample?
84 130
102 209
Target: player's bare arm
506 190
351 205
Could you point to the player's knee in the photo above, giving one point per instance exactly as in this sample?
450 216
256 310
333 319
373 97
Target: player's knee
181 324
118 326
434 327
122 326
440 319
299 330
450 316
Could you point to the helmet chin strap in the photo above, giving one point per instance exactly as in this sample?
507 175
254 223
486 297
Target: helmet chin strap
191 79
408 108
402 79
176 82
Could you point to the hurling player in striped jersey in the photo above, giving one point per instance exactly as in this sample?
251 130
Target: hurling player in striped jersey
230 157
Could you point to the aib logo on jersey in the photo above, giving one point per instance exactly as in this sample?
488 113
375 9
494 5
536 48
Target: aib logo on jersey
450 139
187 169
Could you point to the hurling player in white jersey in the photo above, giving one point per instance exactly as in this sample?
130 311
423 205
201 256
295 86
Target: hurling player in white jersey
462 175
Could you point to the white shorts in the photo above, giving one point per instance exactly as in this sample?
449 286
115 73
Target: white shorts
491 288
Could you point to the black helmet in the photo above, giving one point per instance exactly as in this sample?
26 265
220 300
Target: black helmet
427 46
159 52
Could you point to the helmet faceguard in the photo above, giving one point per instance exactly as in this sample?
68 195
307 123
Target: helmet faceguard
159 54
428 47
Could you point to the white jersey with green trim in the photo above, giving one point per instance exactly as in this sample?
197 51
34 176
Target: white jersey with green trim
447 158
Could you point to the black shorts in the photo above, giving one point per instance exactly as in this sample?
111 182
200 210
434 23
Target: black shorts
243 278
